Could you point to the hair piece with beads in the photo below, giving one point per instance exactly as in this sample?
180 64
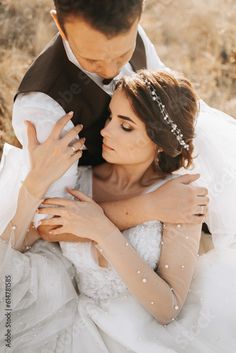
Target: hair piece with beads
176 94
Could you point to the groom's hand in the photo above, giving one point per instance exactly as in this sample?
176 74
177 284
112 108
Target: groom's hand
178 201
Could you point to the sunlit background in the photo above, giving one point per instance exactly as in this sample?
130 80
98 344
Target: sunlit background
195 37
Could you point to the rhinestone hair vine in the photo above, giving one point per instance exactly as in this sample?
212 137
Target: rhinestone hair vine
174 128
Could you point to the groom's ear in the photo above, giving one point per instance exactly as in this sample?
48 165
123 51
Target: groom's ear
53 13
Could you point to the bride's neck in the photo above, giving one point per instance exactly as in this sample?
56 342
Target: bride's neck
127 177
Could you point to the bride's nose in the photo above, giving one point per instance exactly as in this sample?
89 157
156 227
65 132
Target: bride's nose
106 131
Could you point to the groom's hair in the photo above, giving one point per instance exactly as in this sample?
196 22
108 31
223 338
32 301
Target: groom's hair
111 17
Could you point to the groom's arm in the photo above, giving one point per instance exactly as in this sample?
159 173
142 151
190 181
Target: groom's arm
176 201
153 60
41 110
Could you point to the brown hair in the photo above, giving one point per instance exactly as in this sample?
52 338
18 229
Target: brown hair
181 104
110 17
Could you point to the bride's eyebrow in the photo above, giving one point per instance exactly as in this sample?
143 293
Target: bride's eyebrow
126 118
122 116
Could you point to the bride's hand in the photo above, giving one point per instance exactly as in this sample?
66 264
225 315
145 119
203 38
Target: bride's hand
51 159
83 217
43 231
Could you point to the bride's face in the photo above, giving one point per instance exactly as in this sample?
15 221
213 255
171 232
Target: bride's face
125 140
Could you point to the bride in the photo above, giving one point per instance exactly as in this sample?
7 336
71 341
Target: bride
145 289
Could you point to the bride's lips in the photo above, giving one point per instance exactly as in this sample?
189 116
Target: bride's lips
107 147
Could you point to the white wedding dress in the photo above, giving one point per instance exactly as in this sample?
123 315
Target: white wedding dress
50 316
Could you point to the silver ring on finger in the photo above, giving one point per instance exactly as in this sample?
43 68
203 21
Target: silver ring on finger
73 149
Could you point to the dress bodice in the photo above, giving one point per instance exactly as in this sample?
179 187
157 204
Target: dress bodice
98 282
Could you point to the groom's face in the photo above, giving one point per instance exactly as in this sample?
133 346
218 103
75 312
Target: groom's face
96 52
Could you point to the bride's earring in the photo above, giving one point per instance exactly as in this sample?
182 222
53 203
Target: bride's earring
156 160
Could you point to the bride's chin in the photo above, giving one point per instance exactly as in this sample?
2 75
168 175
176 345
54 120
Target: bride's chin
108 158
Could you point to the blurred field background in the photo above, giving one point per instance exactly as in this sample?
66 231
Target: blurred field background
195 37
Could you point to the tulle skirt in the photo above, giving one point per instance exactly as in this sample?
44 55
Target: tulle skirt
206 324
48 314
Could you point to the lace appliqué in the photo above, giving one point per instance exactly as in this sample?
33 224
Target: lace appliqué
101 283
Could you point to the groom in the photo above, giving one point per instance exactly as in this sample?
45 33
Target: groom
99 42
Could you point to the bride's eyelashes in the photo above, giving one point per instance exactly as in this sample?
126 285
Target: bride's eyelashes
124 125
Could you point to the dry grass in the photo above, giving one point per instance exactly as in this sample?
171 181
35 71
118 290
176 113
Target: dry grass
195 37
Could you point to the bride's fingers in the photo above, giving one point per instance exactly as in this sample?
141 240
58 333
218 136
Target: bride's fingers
57 201
201 191
56 221
72 134
79 195
76 156
31 134
201 210
57 231
60 124
78 146
203 200
57 211
197 219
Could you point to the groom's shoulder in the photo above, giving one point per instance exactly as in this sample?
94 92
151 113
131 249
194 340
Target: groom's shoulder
45 69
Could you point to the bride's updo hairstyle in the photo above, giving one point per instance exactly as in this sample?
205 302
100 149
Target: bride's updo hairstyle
181 105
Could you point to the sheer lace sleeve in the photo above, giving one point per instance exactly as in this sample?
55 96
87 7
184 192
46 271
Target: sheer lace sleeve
19 232
36 288
163 291
176 266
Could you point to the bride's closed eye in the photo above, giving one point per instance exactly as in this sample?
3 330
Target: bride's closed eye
124 125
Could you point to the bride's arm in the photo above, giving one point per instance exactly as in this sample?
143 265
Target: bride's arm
48 161
19 230
164 292
173 202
